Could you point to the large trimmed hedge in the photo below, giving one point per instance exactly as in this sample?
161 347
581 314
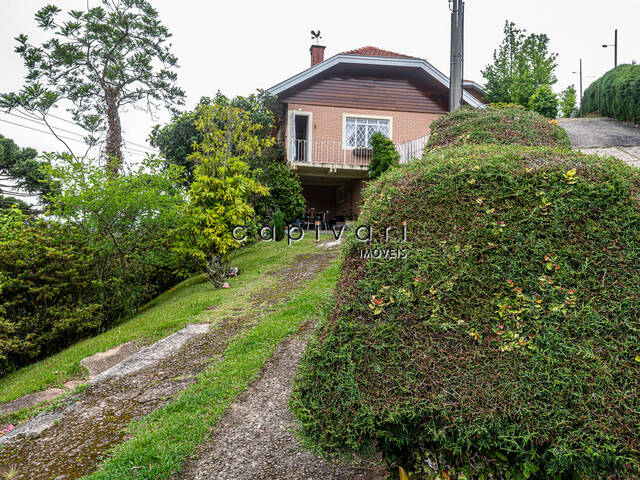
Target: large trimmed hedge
506 344
504 126
616 94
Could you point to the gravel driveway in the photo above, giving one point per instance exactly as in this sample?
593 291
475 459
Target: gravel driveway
604 136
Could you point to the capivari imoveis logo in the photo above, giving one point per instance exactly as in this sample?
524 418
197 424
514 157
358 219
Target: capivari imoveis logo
365 234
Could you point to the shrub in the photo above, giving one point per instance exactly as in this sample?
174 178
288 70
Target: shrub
506 343
285 187
501 126
278 224
384 155
616 94
48 296
544 102
108 248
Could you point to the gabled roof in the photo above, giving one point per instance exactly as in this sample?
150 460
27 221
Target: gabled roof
371 56
375 52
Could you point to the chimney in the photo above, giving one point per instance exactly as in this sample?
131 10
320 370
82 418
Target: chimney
317 54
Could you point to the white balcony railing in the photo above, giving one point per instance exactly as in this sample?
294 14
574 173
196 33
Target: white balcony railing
331 152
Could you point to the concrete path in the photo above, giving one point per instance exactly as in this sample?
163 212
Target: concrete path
255 439
604 136
70 440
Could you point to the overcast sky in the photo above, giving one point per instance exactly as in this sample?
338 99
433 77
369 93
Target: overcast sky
239 46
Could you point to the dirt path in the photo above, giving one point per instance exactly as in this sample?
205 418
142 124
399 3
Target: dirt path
69 441
604 136
254 440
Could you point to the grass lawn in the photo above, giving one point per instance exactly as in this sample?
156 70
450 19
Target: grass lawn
185 303
163 440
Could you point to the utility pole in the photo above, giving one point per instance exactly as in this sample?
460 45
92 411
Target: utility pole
581 88
615 48
580 72
457 54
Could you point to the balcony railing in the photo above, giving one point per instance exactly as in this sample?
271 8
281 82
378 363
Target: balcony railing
331 152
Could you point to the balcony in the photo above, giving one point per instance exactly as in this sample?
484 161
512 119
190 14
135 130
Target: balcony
334 156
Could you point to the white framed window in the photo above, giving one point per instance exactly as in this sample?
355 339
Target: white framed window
359 129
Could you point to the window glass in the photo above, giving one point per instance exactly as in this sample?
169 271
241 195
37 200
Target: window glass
358 131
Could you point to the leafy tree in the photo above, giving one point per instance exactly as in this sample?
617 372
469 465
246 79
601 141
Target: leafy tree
384 155
98 61
285 187
520 65
22 166
128 219
544 102
220 193
568 101
176 139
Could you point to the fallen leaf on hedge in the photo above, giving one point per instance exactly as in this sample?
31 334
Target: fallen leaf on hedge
403 474
637 358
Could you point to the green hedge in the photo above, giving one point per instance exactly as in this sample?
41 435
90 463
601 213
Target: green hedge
53 291
616 94
503 125
506 344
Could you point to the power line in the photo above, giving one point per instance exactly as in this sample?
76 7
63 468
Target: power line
73 123
29 118
133 152
41 122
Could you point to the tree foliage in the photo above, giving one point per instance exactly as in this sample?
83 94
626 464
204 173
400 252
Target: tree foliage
22 167
568 101
176 139
98 61
544 102
616 94
285 187
219 195
130 218
520 65
384 155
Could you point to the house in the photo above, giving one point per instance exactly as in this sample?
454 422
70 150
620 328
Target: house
329 111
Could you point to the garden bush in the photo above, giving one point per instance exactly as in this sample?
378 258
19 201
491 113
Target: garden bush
495 125
502 339
384 155
56 287
616 94
47 293
285 187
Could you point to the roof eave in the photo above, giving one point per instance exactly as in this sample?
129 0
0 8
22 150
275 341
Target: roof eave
368 60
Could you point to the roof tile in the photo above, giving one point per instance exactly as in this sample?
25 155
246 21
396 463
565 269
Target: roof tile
375 52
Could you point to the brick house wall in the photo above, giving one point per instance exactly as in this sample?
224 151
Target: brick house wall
327 122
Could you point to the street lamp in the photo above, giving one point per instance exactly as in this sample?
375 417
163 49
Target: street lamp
615 48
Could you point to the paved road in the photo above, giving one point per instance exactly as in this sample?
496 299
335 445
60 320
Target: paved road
604 136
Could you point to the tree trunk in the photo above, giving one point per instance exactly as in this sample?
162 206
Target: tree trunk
217 267
114 134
